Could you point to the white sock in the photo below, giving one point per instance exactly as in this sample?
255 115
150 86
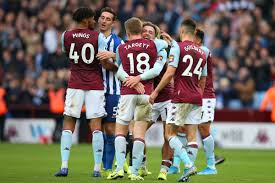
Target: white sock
120 146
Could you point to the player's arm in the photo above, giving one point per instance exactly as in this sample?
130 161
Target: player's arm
105 54
166 37
106 63
202 83
202 79
160 44
170 72
121 74
157 68
62 42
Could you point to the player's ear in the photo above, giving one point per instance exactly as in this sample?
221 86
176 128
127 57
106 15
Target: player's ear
85 22
114 22
182 31
128 35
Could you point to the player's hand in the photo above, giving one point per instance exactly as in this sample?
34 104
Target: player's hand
104 55
139 88
166 37
153 97
131 81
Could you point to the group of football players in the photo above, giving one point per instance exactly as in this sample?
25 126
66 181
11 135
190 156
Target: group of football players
126 87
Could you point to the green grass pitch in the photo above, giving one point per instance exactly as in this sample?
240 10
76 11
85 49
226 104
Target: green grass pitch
26 163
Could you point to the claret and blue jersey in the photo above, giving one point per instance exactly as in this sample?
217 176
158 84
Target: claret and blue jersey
81 47
141 57
190 61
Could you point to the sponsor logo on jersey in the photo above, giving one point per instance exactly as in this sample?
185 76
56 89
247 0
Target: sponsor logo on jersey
171 58
160 58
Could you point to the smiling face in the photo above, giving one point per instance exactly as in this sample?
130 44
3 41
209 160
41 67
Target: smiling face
105 21
148 32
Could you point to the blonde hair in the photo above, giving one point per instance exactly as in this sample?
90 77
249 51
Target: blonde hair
133 26
156 28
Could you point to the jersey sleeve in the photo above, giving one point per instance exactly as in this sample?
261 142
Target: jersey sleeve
62 42
118 60
207 56
206 51
157 68
204 70
121 74
160 44
102 45
174 54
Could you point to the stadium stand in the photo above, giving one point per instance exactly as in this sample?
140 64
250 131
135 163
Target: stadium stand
240 34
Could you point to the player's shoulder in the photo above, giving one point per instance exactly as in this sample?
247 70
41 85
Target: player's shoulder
175 46
193 47
116 37
121 46
180 44
117 40
160 44
87 33
205 49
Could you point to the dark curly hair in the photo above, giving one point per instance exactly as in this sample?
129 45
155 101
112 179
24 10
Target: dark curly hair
82 13
200 34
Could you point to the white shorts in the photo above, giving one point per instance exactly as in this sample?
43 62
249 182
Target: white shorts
208 110
133 107
160 109
183 113
94 101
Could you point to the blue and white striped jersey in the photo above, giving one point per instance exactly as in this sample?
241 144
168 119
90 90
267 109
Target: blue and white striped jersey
111 82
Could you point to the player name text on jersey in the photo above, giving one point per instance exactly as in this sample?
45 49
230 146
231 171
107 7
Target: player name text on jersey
141 45
82 35
193 47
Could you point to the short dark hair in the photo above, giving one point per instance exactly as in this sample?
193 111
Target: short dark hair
189 26
133 26
109 10
200 34
82 13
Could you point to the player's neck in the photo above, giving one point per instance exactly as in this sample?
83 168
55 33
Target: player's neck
133 37
187 38
106 33
81 26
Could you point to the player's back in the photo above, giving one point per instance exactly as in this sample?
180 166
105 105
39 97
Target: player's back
138 56
209 91
191 62
81 46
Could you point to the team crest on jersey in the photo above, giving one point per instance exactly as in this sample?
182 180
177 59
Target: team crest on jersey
171 58
160 58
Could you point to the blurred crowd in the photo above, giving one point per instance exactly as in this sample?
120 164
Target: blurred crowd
240 34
